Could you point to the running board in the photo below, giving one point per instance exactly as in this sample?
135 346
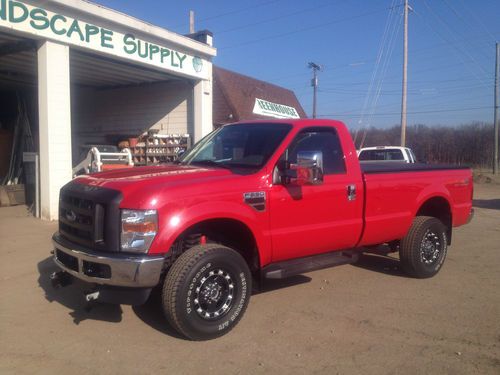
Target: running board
287 268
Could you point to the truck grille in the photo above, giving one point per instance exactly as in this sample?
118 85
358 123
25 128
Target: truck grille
79 221
90 216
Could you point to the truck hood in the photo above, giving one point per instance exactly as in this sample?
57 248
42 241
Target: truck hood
120 176
141 185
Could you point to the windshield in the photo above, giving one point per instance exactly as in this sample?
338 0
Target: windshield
246 146
388 154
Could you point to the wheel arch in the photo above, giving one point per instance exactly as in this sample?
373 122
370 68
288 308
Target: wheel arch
440 208
227 231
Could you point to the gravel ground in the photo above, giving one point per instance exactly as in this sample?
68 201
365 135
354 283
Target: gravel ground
365 318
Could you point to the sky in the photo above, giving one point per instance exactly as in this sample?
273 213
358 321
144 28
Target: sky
359 45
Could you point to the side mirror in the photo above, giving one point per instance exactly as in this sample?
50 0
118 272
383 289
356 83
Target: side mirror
307 171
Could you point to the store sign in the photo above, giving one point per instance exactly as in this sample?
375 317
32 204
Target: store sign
19 16
265 108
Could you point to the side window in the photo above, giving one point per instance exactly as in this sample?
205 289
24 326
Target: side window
325 140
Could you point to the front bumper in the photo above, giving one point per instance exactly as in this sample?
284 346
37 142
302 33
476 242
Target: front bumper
115 269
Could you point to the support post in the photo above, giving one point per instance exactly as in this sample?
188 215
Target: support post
54 106
496 119
202 108
315 91
314 83
191 22
405 76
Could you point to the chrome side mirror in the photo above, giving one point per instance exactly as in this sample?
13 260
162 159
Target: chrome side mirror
308 170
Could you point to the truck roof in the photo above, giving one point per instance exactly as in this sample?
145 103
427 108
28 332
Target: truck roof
298 123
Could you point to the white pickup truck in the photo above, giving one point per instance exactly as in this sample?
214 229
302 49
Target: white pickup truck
387 153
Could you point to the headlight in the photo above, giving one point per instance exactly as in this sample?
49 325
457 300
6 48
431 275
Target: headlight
139 228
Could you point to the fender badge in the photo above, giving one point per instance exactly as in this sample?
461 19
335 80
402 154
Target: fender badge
255 199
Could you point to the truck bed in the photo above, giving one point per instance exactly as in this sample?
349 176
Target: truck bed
394 167
395 192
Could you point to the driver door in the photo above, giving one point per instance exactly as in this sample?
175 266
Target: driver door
312 219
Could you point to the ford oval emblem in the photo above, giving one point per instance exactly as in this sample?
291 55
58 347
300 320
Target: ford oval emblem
71 216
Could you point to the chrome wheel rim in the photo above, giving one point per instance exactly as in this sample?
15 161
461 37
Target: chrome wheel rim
214 294
430 248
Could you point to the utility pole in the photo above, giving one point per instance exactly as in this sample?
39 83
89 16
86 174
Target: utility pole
405 76
191 22
314 83
496 119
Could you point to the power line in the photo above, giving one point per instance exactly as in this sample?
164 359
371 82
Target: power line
275 36
460 17
235 11
419 112
413 91
430 25
380 55
415 52
479 21
421 106
448 66
414 82
301 11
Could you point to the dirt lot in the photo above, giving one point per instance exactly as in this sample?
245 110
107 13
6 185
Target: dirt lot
367 318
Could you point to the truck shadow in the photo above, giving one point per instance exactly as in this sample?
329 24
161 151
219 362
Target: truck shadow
270 285
380 263
492 204
72 297
151 313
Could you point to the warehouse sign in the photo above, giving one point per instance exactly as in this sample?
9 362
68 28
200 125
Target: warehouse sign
20 16
265 108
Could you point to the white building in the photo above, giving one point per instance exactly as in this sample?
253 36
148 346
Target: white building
92 72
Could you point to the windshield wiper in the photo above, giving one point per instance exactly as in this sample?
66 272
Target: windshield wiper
210 163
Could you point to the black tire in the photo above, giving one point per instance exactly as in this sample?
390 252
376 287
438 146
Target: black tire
423 250
206 292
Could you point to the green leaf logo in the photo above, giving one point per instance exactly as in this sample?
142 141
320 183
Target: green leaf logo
197 64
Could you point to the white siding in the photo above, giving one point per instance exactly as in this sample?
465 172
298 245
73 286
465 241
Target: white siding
107 115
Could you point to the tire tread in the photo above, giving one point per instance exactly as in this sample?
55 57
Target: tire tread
409 244
175 278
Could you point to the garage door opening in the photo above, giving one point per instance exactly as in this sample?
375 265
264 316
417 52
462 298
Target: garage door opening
113 102
18 120
80 71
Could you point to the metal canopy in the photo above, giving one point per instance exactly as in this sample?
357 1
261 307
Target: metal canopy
18 64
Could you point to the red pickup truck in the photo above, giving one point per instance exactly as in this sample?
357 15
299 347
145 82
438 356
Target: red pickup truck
250 201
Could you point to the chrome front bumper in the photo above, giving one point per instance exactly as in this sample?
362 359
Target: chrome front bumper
115 269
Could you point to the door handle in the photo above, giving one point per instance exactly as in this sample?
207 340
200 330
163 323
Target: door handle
351 192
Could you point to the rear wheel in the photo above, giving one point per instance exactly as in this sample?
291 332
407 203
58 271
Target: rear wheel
206 291
423 250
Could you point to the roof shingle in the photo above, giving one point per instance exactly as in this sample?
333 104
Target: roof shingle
234 97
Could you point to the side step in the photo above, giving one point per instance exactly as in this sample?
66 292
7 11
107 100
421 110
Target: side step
287 268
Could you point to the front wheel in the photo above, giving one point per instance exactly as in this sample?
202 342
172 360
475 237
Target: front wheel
206 291
423 250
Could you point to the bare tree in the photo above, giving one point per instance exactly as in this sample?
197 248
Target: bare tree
468 144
